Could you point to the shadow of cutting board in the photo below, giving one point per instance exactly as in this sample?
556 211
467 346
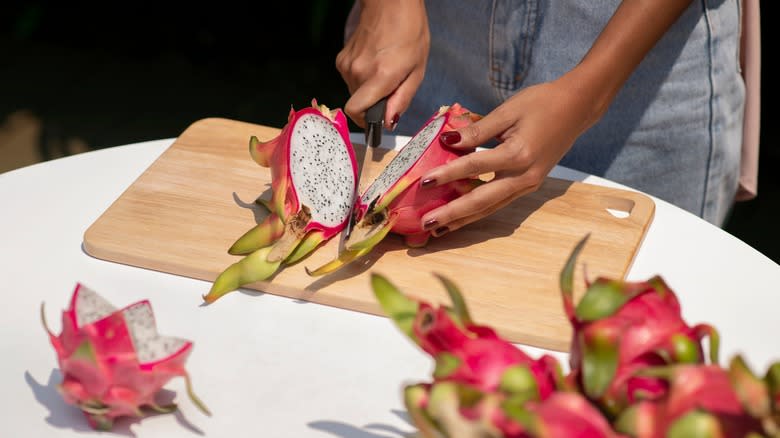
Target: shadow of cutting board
183 213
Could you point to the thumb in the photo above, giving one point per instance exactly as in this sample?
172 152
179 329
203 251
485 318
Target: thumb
478 133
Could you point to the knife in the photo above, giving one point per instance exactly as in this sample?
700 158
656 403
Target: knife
375 117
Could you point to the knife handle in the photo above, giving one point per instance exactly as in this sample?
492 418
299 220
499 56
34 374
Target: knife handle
375 117
376 113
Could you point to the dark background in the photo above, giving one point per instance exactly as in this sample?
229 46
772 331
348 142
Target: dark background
95 75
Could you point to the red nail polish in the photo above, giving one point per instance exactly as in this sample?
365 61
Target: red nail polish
440 231
430 224
428 182
394 122
450 138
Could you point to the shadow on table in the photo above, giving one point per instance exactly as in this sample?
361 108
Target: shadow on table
372 430
65 416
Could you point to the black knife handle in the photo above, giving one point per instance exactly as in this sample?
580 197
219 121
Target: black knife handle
375 117
376 113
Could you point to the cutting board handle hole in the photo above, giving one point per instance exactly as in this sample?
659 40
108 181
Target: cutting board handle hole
619 207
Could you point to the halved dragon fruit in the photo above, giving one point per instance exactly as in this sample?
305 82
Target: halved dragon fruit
114 361
622 327
707 401
394 202
314 180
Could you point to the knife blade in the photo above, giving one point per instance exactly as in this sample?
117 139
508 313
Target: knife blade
375 117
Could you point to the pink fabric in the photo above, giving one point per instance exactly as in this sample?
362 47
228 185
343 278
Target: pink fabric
751 72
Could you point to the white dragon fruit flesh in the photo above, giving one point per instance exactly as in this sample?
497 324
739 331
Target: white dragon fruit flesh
394 201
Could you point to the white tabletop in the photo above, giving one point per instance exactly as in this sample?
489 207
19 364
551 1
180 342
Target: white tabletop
269 366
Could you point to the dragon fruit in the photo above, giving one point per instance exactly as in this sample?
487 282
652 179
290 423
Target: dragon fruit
451 409
563 414
622 327
314 180
707 401
393 202
464 352
113 361
482 384
637 370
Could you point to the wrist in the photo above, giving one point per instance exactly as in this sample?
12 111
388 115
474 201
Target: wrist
588 93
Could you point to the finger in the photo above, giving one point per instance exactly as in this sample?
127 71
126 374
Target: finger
400 99
479 132
462 222
344 61
483 200
369 93
470 165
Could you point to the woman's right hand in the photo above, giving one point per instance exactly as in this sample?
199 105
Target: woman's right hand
385 56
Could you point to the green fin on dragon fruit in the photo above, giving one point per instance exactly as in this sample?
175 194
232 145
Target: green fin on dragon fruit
705 400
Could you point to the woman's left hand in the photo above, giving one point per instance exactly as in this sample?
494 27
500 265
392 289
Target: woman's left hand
535 128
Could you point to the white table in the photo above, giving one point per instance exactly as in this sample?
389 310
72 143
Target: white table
269 366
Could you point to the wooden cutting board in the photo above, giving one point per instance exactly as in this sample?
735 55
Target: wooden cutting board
183 213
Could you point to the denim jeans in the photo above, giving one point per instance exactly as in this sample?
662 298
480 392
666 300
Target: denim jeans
673 131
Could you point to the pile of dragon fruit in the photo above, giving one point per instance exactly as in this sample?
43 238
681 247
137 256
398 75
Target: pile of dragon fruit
636 369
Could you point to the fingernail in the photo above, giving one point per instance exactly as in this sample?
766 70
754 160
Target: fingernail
394 122
440 231
430 223
450 138
428 182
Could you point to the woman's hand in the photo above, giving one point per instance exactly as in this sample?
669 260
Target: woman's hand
539 124
385 56
535 128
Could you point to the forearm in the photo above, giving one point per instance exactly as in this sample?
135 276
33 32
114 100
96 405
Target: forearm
398 12
635 27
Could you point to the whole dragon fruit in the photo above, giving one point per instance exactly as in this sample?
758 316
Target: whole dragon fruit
314 179
464 352
622 327
563 414
394 201
452 409
707 401
637 370
113 361
482 385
